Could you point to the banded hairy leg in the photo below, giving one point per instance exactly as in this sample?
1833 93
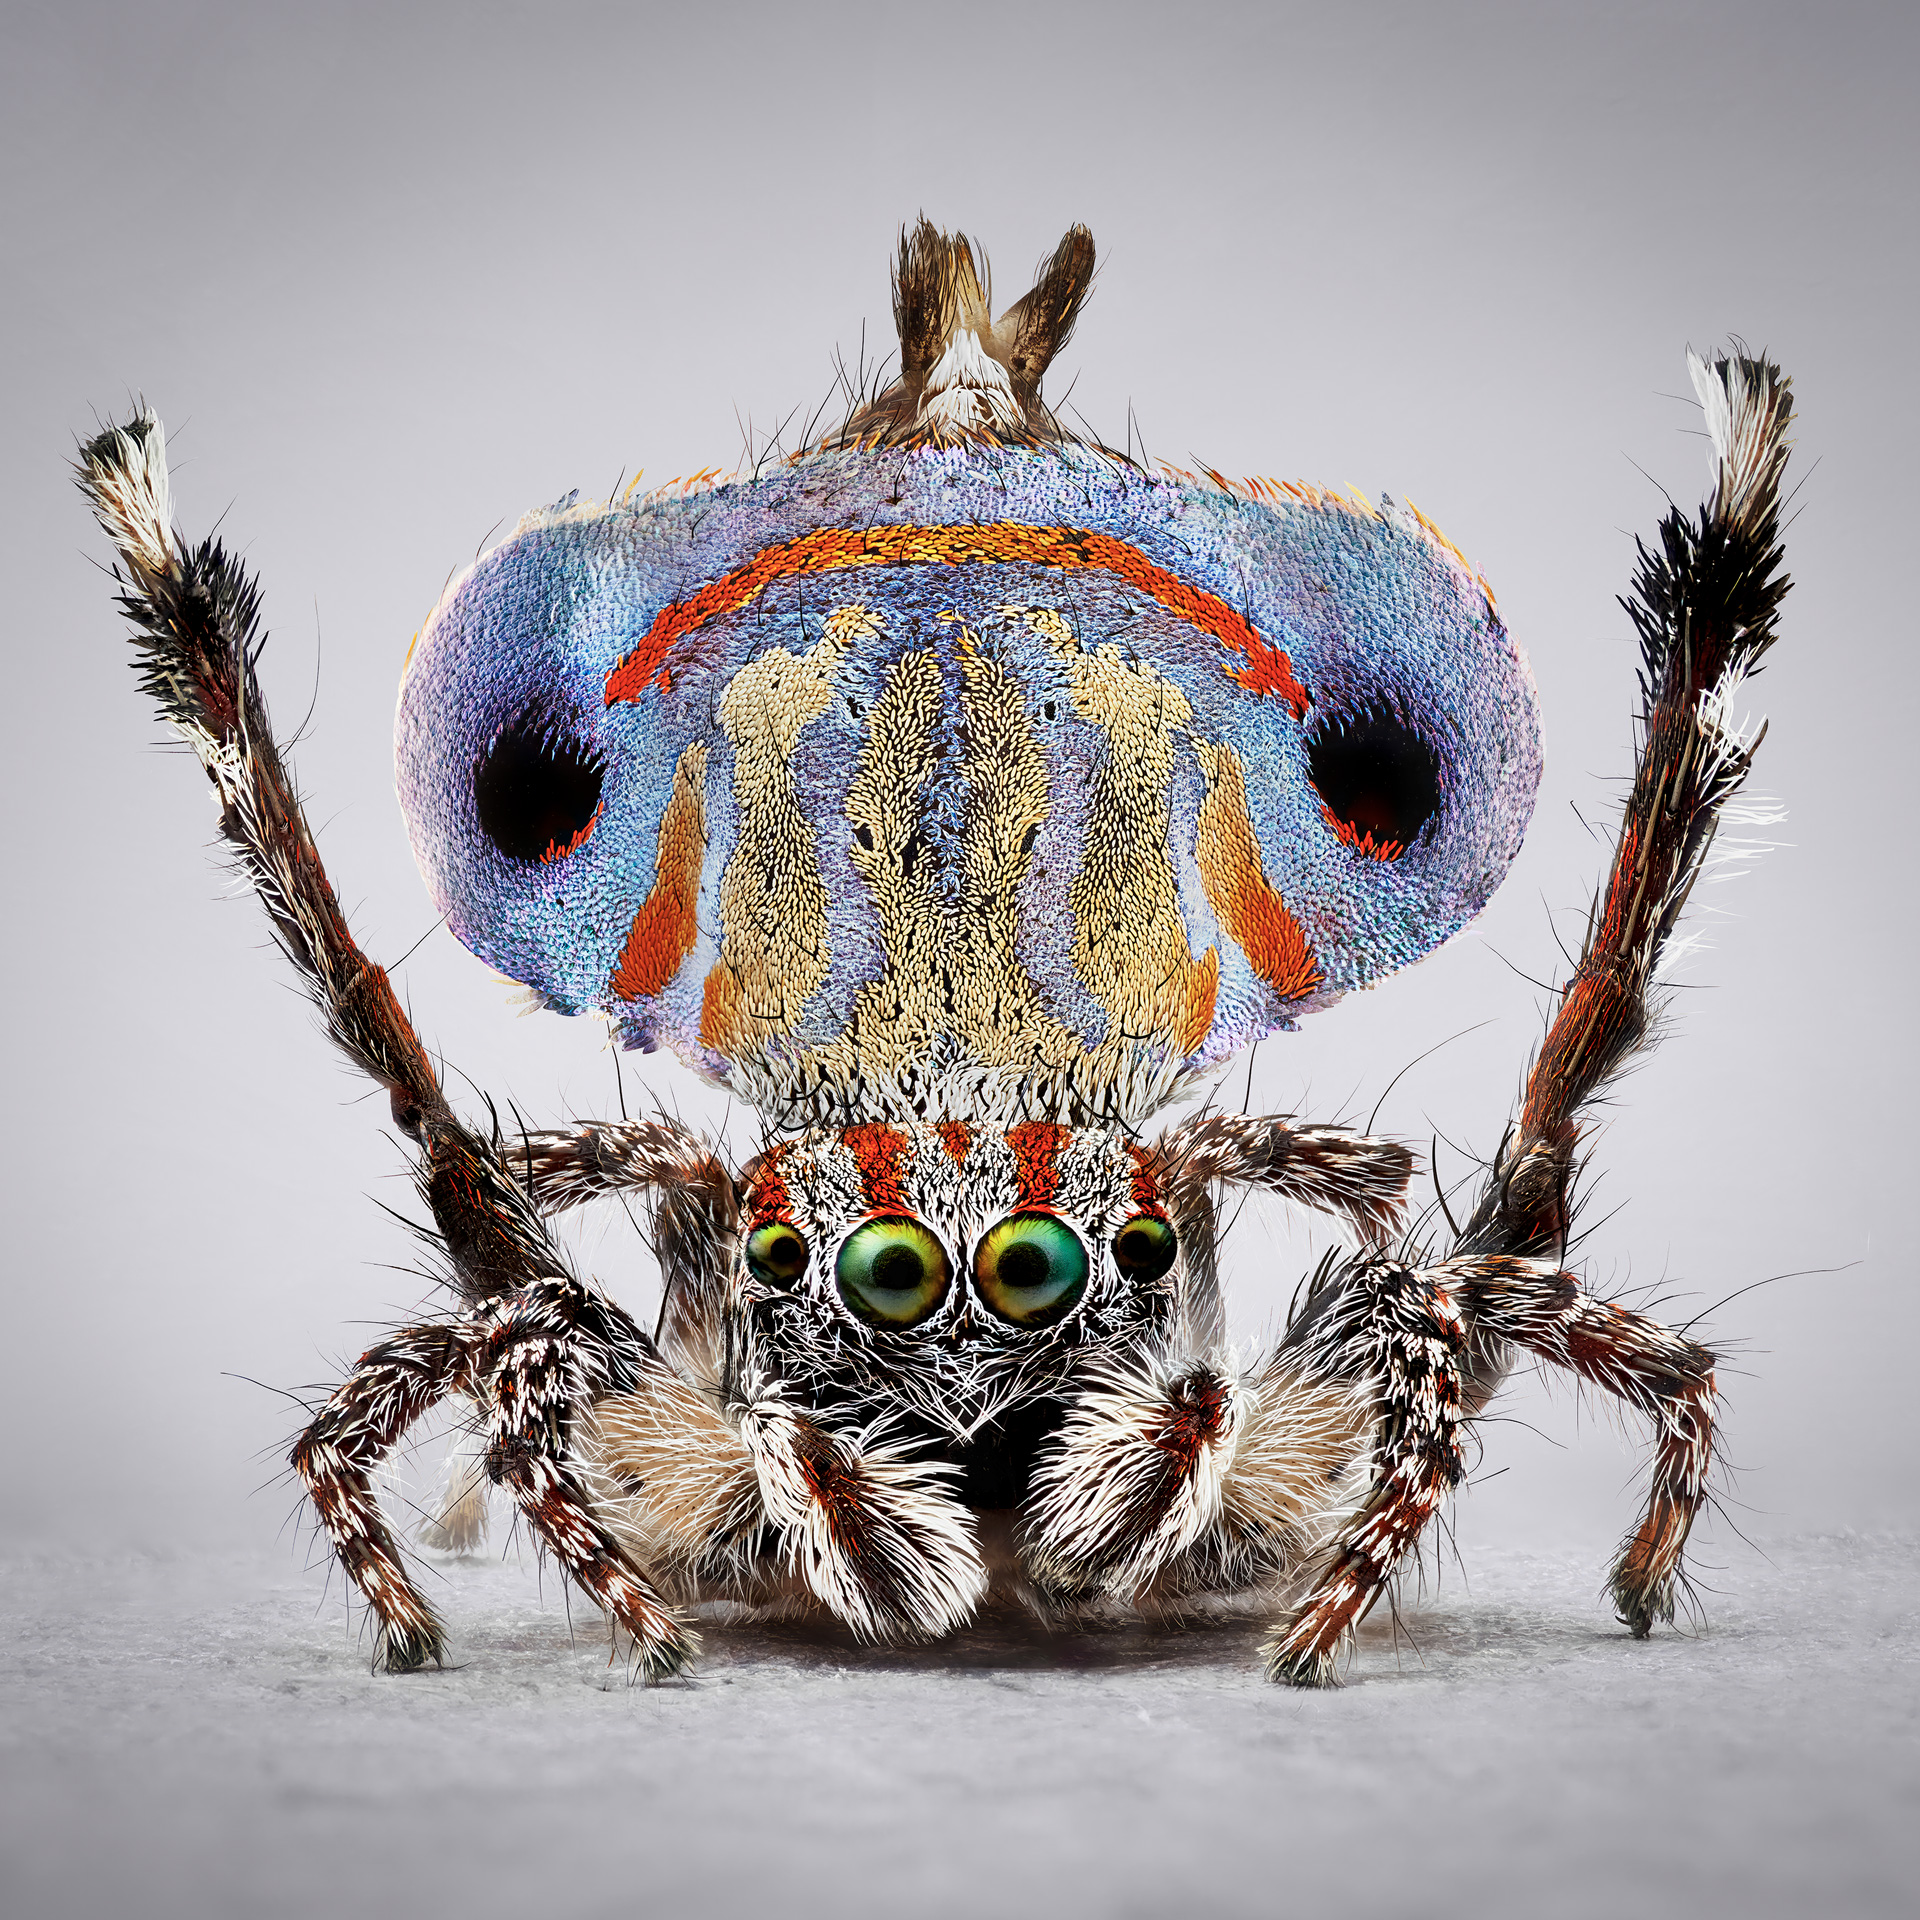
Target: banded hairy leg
693 1212
553 1350
1402 1336
193 613
1430 1343
1171 1472
394 1384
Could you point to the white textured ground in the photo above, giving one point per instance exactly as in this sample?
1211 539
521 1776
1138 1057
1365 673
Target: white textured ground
190 1738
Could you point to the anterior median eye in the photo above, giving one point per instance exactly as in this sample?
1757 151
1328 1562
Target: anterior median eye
776 1254
892 1273
1031 1269
1144 1248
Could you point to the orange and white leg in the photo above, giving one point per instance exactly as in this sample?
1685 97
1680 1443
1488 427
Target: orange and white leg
364 1418
551 1351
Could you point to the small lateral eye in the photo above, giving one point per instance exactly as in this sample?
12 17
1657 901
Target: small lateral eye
1031 1269
892 1273
1144 1248
776 1254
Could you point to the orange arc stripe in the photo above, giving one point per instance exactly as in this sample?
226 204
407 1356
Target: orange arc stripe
833 549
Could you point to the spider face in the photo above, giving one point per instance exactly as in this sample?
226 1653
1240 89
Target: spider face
955 1236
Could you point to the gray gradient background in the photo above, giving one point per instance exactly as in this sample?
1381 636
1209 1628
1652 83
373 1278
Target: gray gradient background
392 275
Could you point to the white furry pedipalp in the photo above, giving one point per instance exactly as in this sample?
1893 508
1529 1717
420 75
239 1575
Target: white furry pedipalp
876 1535
1107 1500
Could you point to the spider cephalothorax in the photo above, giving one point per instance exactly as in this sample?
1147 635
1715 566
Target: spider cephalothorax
952 1274
961 795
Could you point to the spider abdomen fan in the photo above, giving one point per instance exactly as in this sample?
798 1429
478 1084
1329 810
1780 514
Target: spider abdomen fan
957 770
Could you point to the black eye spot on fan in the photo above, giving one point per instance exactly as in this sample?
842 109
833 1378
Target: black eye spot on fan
537 791
1378 780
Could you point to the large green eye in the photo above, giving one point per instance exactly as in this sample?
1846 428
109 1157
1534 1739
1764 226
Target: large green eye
1144 1248
892 1273
776 1254
1031 1269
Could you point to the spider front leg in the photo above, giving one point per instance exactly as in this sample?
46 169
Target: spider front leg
1330 1169
550 1351
393 1385
1409 1332
1398 1331
693 1213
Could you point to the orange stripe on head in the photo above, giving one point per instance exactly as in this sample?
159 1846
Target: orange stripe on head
1037 1146
1144 1178
833 549
881 1155
767 1196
